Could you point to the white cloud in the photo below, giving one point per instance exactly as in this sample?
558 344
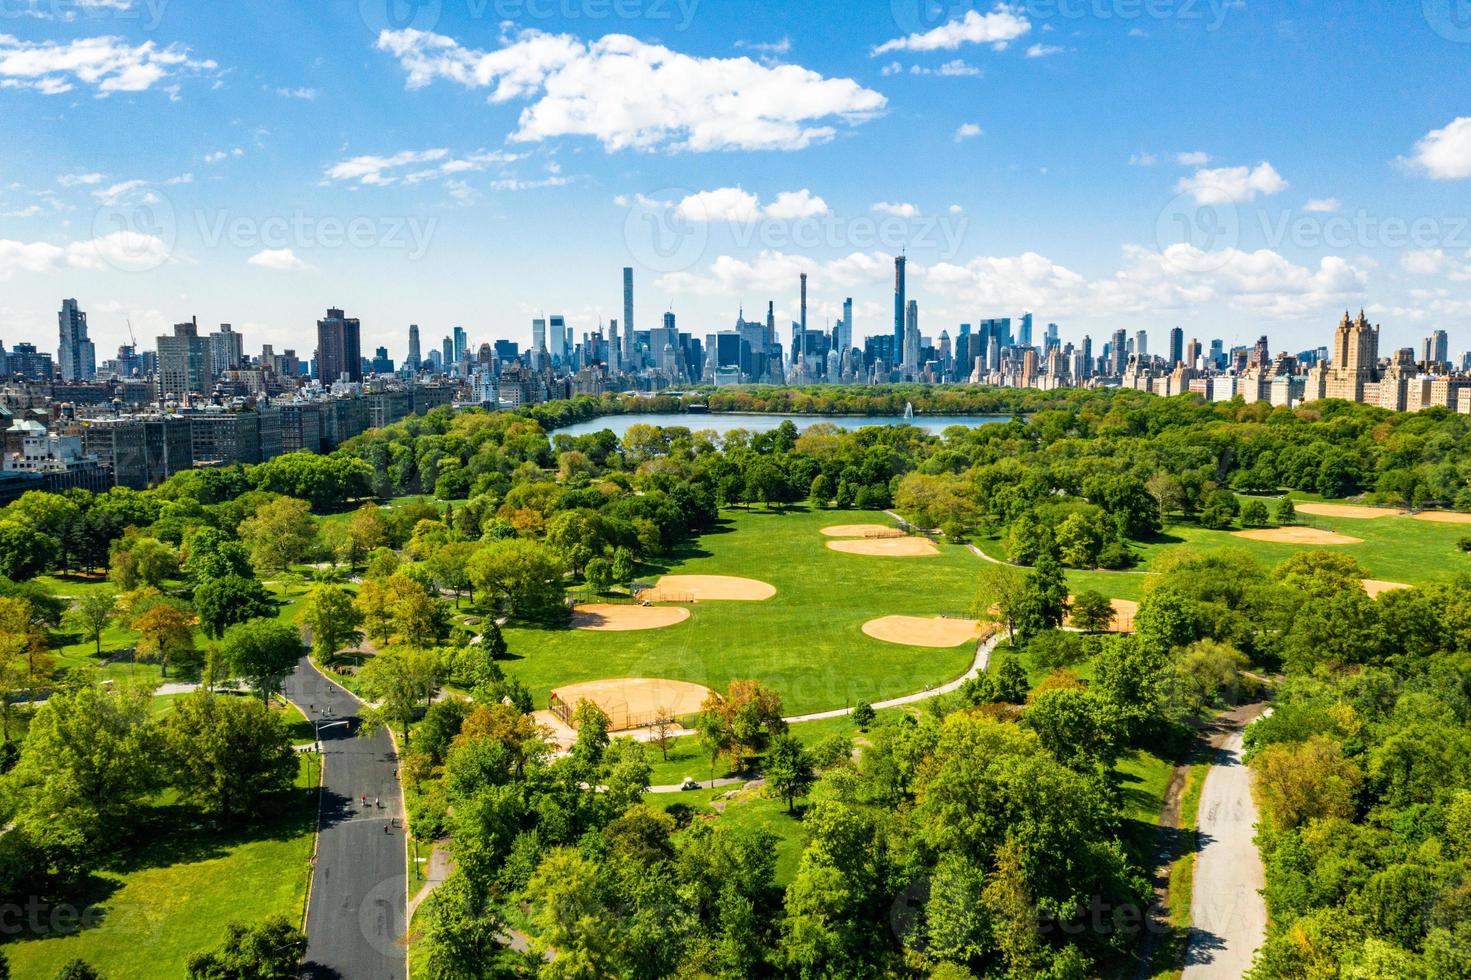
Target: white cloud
1232 185
1445 154
956 209
773 271
632 95
1437 262
78 180
107 64
735 205
1193 158
896 210
115 193
305 94
121 249
641 201
1043 50
1143 160
1322 205
382 171
967 131
892 68
998 28
520 184
1181 278
278 259
221 155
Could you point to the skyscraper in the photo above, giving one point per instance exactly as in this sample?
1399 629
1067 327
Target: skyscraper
538 334
911 339
447 355
799 343
1141 344
182 358
1024 337
414 357
1435 350
845 328
461 344
628 364
1177 346
1119 352
77 355
900 309
339 347
226 350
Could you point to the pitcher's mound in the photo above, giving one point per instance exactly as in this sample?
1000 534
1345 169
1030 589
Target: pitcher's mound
1377 587
623 618
632 702
923 631
1347 510
902 547
1443 517
1296 535
1123 615
862 531
707 588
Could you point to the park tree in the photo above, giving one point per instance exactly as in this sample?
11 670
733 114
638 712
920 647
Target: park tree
331 618
820 494
576 537
282 533
599 574
222 602
399 680
272 950
863 715
1044 598
1001 595
1075 726
165 635
788 768
92 613
78 969
750 713
228 755
624 566
1254 514
1321 574
1166 619
90 758
25 663
1205 672
525 575
24 551
571 919
1079 541
1298 782
1011 681
1285 512
1091 611
210 553
264 652
461 933
139 561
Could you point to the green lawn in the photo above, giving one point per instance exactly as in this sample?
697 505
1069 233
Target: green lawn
748 810
172 894
1394 549
806 641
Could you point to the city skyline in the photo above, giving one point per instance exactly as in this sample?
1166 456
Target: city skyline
1032 179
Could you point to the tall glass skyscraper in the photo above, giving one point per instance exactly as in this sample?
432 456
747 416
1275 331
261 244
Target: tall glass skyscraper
77 355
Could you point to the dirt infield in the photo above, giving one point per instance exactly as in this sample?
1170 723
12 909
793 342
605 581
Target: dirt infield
1443 517
923 631
1296 535
626 617
862 531
1377 587
902 547
634 702
1123 615
1347 510
707 588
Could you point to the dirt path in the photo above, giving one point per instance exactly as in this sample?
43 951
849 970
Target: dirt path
1227 910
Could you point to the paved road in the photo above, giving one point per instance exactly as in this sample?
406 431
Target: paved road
356 913
1227 911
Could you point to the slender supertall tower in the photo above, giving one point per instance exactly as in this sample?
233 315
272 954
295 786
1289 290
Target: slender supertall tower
414 359
801 344
900 307
628 318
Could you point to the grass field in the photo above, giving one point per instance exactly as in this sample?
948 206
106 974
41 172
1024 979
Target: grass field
172 894
1395 549
806 642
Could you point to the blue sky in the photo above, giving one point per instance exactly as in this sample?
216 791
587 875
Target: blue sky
1236 168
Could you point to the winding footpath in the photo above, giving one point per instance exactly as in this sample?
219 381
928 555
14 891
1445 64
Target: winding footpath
1228 913
355 915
